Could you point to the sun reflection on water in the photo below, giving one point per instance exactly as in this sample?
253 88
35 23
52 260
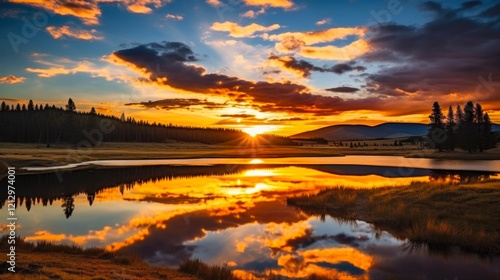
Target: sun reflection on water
239 218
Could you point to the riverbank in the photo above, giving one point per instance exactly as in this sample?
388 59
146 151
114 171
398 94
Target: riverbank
440 216
22 155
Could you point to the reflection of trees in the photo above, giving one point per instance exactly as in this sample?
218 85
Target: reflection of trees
463 177
46 188
68 206
90 198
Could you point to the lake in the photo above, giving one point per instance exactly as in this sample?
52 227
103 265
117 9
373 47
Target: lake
234 212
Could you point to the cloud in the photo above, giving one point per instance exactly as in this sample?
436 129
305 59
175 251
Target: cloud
66 31
253 14
286 120
343 89
351 51
11 13
303 68
237 31
286 4
174 17
303 43
179 103
243 116
63 66
324 21
341 68
429 60
471 4
214 3
11 79
88 11
170 64
316 37
492 12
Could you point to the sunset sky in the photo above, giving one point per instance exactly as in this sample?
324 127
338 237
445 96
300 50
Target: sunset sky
282 66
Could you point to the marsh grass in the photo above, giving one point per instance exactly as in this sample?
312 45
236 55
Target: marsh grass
206 272
438 215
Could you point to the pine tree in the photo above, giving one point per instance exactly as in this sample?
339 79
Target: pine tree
436 132
31 107
478 120
92 111
3 106
70 106
467 132
459 116
487 136
18 107
450 130
24 107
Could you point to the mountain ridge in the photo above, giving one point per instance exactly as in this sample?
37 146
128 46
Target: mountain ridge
342 132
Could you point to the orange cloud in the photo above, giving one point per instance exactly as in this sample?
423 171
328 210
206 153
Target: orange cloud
304 263
63 66
11 79
214 3
336 255
66 31
253 14
348 52
88 11
286 4
278 235
302 43
237 31
316 37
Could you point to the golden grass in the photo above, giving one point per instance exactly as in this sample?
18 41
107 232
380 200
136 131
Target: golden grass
46 260
205 271
438 215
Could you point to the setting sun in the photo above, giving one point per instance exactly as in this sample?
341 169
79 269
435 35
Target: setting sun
258 129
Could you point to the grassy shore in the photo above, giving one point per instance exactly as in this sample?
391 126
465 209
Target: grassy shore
15 154
49 261
438 215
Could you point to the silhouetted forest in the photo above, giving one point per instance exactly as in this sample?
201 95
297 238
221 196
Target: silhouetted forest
49 124
469 129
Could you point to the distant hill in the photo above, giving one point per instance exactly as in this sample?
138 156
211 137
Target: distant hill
364 132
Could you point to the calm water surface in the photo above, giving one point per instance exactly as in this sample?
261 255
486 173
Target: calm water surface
237 214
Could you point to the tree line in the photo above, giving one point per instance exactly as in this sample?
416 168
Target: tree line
33 123
469 129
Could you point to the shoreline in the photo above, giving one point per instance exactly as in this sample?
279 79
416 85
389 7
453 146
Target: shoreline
34 155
